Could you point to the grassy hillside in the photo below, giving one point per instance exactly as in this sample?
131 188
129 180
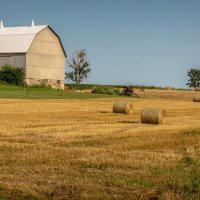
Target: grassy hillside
79 149
83 92
16 92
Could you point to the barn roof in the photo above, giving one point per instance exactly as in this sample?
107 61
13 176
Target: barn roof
19 39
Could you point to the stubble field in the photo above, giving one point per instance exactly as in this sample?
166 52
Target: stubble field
79 149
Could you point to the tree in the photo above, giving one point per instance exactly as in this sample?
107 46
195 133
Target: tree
80 67
194 78
12 75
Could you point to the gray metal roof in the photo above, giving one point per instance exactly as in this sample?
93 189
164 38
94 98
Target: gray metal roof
18 39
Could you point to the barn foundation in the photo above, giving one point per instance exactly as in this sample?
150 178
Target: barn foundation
56 84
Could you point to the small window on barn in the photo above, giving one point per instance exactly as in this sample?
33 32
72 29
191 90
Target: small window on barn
58 81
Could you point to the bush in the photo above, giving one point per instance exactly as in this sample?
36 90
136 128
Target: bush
117 91
12 75
105 90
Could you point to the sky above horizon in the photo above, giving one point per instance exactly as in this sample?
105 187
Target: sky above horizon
128 42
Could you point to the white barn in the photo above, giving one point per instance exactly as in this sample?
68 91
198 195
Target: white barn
36 48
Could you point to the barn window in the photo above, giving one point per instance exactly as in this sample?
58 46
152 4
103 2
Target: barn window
58 81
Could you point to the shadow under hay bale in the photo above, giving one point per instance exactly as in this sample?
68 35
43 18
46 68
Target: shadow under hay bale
127 122
123 107
152 115
196 98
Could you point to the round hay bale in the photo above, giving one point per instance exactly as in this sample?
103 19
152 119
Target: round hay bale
196 98
123 107
197 89
167 88
152 115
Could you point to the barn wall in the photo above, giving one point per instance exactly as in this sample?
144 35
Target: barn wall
13 59
45 58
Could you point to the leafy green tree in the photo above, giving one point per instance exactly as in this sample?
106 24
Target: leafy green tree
12 75
194 78
80 67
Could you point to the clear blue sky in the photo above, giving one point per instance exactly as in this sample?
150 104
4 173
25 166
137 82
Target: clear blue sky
150 42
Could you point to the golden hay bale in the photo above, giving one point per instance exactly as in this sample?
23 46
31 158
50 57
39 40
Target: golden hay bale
197 89
196 98
167 88
152 115
123 107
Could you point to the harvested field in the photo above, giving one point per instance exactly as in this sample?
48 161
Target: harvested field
79 149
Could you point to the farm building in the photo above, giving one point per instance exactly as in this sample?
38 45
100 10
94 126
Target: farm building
36 48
